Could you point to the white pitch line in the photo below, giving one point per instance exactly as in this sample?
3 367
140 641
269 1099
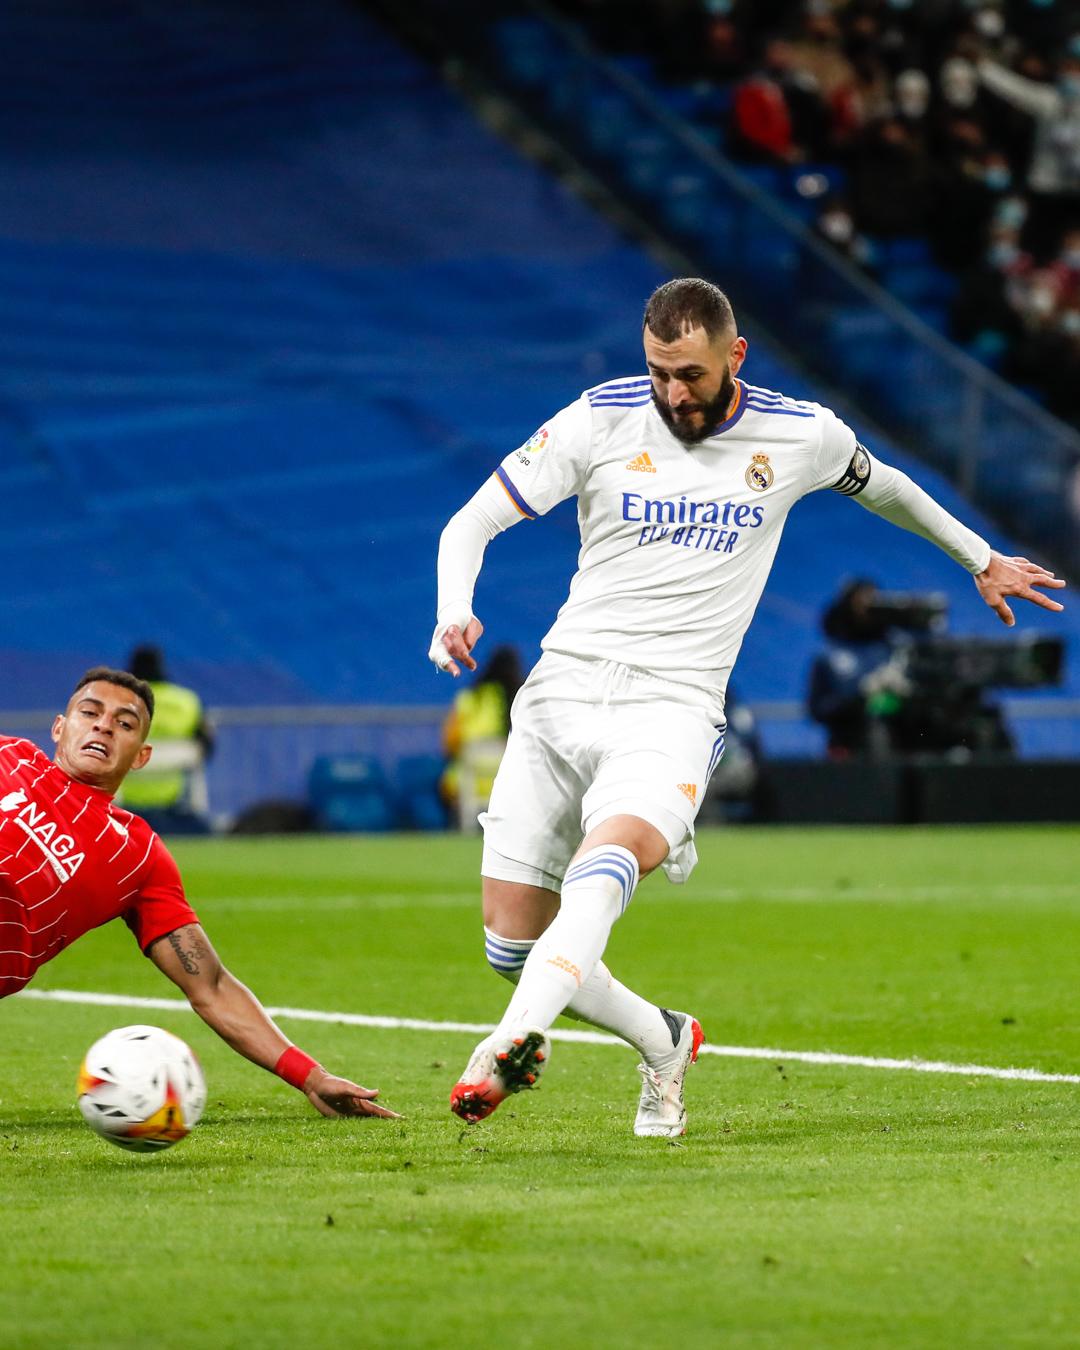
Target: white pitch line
581 1037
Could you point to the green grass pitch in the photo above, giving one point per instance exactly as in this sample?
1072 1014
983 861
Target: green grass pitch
810 1205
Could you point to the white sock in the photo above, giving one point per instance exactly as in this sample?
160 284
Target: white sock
595 891
602 1001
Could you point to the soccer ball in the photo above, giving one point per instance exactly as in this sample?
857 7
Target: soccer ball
141 1088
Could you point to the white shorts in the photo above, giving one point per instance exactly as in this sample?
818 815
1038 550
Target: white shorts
591 740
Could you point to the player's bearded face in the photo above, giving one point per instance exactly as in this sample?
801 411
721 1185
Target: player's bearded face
693 380
694 419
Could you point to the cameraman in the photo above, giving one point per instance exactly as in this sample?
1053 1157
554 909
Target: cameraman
857 685
888 685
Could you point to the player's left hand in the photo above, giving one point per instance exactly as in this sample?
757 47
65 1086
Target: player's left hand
1015 576
332 1096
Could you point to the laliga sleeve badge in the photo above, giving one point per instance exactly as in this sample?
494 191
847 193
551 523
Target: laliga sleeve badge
759 475
532 447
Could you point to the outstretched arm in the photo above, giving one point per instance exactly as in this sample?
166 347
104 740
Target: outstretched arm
1030 96
232 1010
461 552
891 494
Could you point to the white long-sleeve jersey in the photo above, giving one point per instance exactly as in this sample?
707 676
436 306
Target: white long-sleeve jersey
677 541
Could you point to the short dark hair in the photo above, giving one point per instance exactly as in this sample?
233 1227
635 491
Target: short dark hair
124 679
677 307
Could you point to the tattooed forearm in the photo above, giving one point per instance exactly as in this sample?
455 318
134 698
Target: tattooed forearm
189 956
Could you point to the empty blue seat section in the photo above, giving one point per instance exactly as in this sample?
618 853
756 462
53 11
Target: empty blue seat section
350 793
272 306
420 804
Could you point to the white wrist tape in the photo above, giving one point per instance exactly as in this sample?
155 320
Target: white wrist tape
450 616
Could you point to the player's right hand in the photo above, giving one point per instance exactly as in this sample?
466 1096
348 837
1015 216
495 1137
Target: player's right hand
333 1096
452 642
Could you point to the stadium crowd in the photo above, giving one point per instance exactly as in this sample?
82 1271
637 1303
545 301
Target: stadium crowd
957 121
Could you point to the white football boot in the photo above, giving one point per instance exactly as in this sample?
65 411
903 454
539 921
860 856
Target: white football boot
661 1113
500 1065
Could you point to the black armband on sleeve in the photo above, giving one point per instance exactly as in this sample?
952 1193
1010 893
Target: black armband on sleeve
857 474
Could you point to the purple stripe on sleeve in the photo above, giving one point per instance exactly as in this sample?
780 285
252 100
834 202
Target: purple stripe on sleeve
515 496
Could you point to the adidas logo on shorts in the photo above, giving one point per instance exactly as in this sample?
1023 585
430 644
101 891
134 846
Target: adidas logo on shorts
643 464
689 791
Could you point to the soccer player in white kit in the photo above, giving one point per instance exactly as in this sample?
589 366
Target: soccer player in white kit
684 478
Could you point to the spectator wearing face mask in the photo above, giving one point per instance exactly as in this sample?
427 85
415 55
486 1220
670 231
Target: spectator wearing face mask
1011 211
970 185
1054 171
912 91
988 21
958 86
984 315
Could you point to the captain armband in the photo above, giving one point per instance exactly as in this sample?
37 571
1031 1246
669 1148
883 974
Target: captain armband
857 474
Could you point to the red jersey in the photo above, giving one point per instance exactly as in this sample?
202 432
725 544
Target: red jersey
71 860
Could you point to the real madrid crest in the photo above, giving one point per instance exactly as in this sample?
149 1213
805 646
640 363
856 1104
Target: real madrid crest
760 474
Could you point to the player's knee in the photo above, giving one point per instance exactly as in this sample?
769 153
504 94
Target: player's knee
603 879
507 956
626 831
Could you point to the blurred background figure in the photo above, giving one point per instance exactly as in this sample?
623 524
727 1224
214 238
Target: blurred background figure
857 685
475 732
171 791
778 115
1054 104
889 684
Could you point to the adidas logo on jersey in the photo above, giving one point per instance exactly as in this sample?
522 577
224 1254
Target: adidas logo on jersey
689 791
643 464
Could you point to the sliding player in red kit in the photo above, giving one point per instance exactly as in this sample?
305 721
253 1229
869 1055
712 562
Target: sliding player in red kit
71 860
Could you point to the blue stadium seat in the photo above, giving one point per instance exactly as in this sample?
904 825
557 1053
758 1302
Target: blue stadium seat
904 251
420 803
686 202
699 103
764 176
350 793
646 160
608 119
918 283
